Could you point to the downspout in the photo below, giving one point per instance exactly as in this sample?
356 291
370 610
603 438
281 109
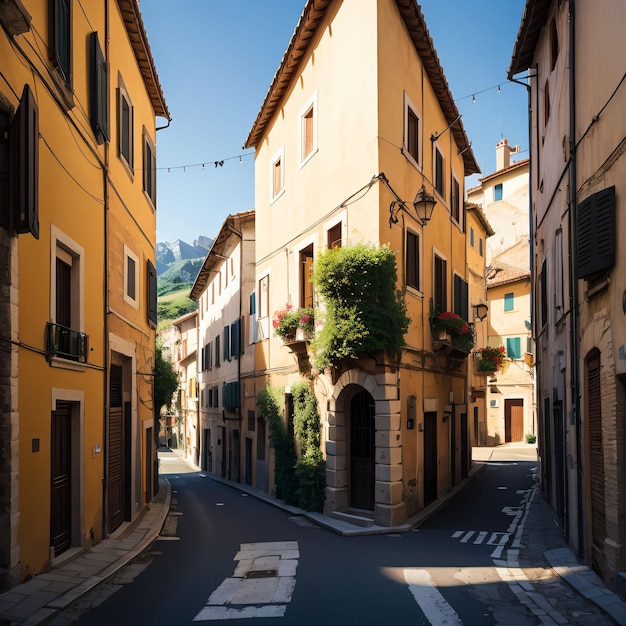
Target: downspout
105 169
573 228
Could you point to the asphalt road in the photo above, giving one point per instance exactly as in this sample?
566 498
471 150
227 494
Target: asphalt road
224 555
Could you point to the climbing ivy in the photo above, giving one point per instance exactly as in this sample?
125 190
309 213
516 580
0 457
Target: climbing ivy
364 310
310 467
270 403
299 481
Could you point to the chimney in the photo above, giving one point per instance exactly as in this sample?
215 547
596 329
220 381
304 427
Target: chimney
503 155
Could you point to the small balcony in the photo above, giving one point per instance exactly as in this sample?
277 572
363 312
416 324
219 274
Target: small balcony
65 343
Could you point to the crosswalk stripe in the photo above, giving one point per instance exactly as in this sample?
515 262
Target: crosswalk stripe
468 536
431 602
481 537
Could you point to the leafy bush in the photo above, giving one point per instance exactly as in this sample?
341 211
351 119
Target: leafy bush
364 311
269 401
531 438
310 470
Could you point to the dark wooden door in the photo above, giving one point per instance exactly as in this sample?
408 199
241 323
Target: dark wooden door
362 448
61 478
596 452
465 446
514 420
430 457
116 459
248 461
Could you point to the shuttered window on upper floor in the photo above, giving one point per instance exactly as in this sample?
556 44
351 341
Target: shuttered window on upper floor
596 233
24 142
98 91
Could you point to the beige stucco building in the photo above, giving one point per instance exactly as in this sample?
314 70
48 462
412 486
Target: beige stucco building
503 196
230 442
578 185
358 118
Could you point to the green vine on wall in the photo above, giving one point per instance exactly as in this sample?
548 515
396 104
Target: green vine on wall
270 403
365 312
310 467
299 481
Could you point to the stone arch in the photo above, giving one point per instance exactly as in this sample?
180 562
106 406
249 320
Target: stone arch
389 507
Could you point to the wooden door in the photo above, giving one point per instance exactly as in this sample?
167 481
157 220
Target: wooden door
430 457
61 478
513 420
362 448
596 452
465 446
115 472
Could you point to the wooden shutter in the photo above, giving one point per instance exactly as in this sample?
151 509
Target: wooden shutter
98 91
235 338
460 297
412 260
152 295
25 160
60 37
4 169
440 287
596 233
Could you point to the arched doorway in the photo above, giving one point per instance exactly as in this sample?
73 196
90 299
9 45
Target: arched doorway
362 450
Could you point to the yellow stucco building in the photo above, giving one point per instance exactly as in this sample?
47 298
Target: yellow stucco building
79 99
357 120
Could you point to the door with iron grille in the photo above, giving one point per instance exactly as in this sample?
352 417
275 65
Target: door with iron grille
362 449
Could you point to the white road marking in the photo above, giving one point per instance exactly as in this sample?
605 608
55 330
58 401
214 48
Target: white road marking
431 602
468 536
267 594
481 537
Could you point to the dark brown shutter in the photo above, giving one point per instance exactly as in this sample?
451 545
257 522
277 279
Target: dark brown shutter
24 138
4 169
596 233
152 295
98 91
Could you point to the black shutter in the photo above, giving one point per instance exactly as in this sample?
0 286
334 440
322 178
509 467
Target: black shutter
235 338
25 159
596 233
460 297
152 295
60 39
4 169
98 91
441 284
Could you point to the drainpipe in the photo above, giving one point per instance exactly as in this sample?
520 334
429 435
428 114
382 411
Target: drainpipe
105 331
573 219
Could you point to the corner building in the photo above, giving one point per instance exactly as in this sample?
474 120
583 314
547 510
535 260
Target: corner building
359 115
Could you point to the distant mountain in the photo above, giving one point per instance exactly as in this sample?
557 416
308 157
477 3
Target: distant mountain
168 253
177 266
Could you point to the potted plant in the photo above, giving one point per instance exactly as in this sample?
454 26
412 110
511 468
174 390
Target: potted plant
452 328
490 359
290 323
285 322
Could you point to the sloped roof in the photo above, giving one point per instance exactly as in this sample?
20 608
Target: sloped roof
215 256
533 19
139 41
497 276
311 17
482 218
505 170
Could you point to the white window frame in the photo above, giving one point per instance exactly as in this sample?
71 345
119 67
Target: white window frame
309 107
408 104
133 301
279 157
66 248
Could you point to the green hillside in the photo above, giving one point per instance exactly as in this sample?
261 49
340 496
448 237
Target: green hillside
173 287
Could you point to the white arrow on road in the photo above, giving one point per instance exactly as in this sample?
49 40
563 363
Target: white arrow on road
261 585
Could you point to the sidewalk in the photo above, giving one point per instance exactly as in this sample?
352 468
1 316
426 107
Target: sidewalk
36 601
539 542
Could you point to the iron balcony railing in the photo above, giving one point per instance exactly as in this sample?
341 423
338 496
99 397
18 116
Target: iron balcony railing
65 343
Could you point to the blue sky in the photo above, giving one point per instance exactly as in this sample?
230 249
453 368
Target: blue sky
216 60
